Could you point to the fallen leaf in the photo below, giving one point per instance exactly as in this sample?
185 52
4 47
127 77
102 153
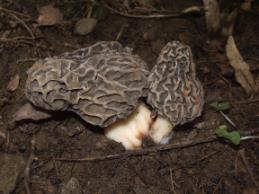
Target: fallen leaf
212 15
49 16
242 69
28 112
13 83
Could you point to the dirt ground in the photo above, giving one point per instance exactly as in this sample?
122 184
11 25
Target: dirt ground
212 167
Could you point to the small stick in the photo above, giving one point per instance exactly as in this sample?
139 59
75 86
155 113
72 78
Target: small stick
141 152
14 39
26 60
249 137
13 12
227 119
14 15
152 16
24 25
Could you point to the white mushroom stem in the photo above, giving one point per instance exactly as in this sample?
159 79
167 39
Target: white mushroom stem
130 132
160 131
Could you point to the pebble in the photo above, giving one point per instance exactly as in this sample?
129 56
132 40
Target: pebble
85 25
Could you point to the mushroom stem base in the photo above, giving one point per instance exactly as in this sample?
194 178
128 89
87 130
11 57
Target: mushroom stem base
131 131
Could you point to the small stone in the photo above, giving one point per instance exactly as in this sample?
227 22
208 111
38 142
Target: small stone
85 25
72 187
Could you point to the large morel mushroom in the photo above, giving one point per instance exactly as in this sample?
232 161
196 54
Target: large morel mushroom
109 86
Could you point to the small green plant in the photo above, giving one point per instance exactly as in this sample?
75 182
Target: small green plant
233 136
220 106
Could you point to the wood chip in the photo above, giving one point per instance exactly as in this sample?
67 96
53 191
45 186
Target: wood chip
13 83
49 16
242 69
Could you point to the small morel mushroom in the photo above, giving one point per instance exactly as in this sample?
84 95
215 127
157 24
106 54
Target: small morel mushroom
109 86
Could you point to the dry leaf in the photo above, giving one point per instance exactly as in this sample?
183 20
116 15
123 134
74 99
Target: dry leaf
27 111
13 83
212 15
49 16
242 69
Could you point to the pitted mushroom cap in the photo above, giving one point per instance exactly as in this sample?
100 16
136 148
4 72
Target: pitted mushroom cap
101 83
175 92
101 47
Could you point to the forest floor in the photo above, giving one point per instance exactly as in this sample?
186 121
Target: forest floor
198 166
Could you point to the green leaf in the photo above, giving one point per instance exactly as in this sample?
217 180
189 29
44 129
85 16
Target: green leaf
233 136
220 106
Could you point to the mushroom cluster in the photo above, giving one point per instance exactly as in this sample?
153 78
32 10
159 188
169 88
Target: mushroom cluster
107 85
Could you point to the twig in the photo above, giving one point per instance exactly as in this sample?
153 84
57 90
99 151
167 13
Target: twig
249 137
227 119
24 25
14 15
152 16
146 151
28 167
13 12
14 39
26 60
242 155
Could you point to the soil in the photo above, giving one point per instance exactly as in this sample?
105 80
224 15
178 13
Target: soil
213 167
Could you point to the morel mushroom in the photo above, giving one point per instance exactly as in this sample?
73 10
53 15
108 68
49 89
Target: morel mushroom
108 86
